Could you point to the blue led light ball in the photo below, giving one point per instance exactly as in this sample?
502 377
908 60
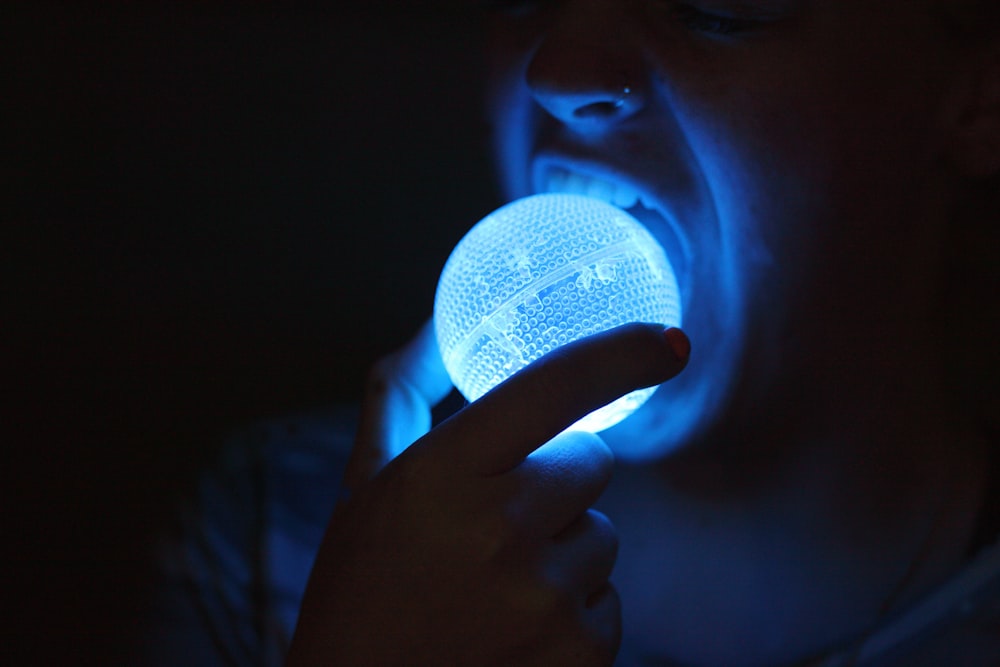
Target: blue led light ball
543 271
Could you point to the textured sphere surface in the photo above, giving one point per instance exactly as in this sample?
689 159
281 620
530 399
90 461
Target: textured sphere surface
543 271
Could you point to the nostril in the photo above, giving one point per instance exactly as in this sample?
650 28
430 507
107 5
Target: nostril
597 110
604 108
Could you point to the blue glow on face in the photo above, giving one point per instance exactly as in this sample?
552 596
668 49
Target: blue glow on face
541 272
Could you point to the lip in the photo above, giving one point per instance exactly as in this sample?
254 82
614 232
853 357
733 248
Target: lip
557 173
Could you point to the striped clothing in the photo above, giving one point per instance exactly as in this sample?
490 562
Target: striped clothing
234 566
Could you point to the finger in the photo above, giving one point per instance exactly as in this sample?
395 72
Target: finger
591 637
395 409
603 619
551 394
558 482
583 555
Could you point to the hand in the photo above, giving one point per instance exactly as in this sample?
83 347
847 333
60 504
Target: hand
475 545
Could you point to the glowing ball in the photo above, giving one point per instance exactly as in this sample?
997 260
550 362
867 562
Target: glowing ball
543 271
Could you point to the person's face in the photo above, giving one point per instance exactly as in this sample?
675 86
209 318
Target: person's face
780 150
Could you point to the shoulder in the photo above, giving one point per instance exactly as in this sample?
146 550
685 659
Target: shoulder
290 464
234 561
958 624
312 445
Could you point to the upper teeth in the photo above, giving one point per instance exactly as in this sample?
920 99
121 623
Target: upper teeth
571 182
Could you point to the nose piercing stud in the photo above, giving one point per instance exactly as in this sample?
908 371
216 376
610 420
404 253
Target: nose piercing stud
620 102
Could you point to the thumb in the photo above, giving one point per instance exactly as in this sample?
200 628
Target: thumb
396 407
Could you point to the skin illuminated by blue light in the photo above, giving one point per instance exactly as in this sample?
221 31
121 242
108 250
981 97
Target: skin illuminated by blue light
541 272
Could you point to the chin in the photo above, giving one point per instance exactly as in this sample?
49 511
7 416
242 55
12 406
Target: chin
681 413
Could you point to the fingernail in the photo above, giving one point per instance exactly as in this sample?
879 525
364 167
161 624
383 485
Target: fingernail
678 342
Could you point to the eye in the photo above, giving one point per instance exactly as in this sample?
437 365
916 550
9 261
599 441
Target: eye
706 22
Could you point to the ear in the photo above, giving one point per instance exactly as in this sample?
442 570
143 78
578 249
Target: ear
973 118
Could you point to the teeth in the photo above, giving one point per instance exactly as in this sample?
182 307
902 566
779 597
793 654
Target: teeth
561 180
625 197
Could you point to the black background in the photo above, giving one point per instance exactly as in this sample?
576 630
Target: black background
216 212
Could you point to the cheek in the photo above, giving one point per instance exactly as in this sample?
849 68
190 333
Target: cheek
802 153
768 171
767 154
511 115
508 115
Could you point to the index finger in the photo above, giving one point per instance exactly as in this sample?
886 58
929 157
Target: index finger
495 433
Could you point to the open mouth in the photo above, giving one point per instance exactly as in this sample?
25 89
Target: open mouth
555 178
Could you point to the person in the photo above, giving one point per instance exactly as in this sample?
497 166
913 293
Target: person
810 484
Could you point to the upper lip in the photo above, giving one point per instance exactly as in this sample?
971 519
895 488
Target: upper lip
547 167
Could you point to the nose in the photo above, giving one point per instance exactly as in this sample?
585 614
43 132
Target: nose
587 68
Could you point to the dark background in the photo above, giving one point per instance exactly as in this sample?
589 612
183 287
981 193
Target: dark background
216 212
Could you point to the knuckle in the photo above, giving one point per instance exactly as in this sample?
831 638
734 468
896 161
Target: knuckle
602 526
555 602
598 454
589 643
584 455
555 373
498 538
